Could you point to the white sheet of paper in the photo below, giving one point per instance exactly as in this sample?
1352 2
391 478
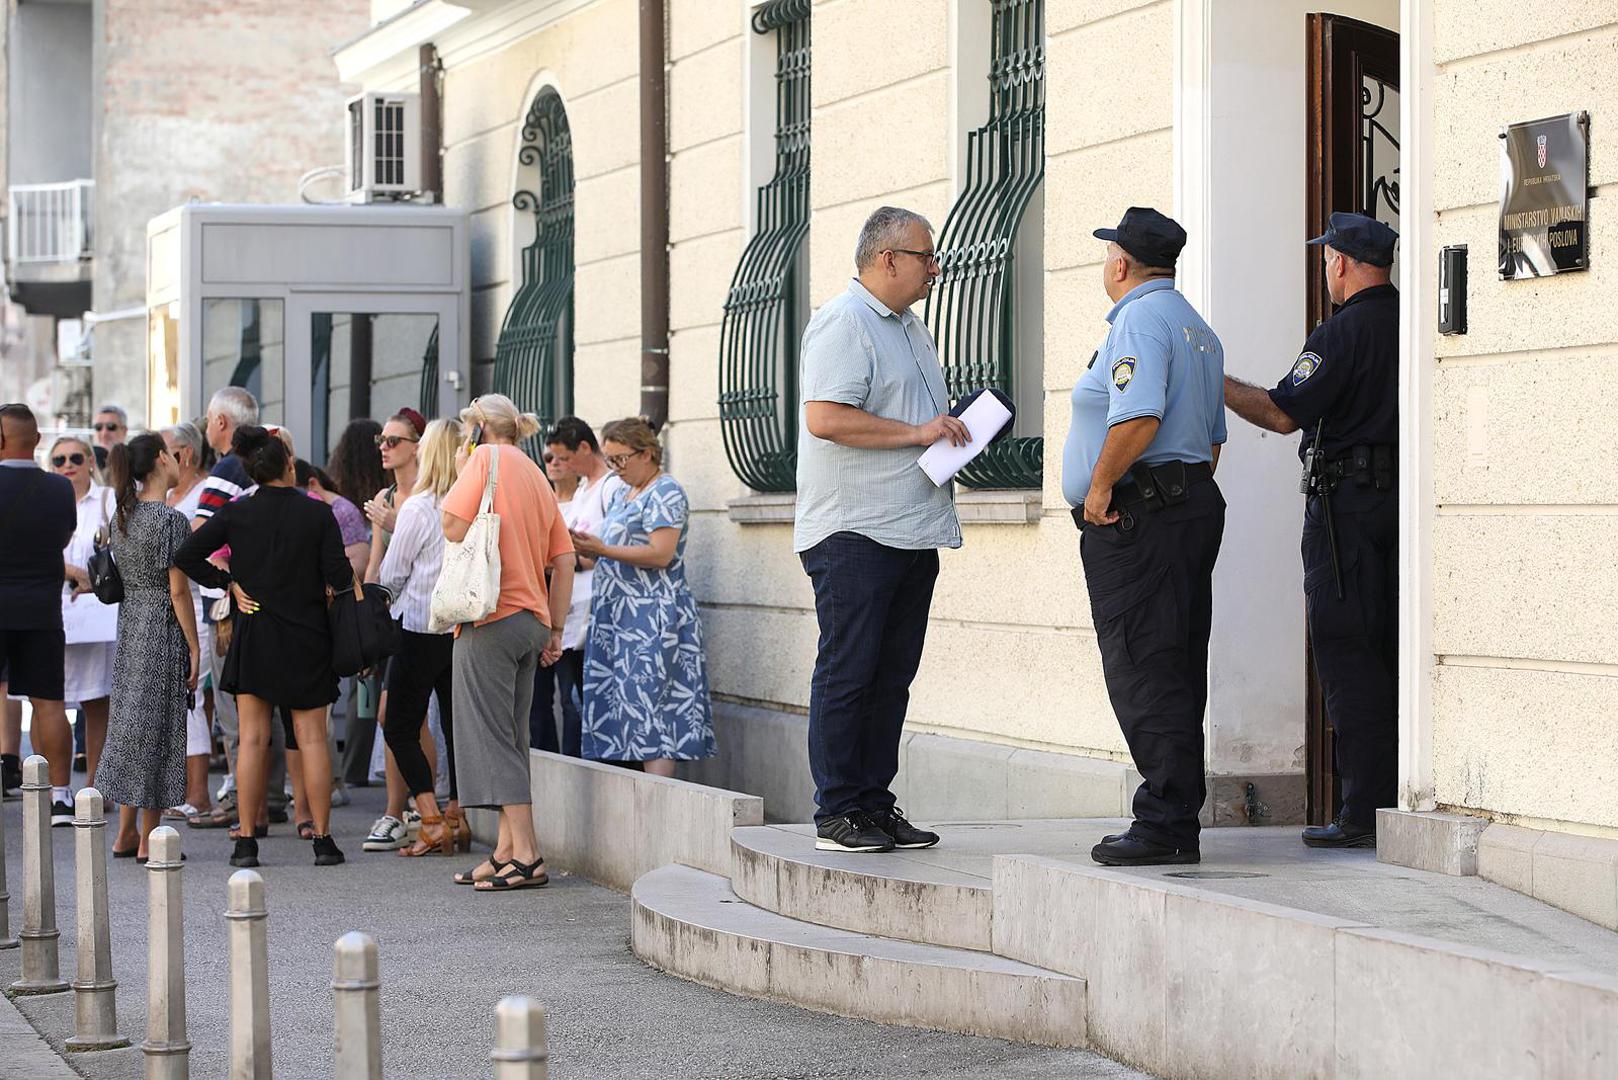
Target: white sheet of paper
983 418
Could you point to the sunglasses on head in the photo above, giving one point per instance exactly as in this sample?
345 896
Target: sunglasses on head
62 459
390 441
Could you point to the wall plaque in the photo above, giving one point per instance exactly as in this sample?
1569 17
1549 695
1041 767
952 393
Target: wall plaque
1544 199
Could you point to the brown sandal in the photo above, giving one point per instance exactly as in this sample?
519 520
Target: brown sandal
433 838
459 830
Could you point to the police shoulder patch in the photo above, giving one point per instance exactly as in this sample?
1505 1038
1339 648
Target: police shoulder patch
1307 365
1123 371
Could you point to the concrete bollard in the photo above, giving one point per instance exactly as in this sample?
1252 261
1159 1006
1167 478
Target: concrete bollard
95 1007
6 940
167 1049
519 1040
249 978
356 1007
40 972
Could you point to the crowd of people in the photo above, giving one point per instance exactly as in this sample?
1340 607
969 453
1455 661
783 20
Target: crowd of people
216 650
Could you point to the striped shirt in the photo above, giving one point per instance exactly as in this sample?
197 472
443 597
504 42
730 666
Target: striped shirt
227 480
415 555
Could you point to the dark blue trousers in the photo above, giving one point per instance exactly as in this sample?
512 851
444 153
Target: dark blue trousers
871 602
568 673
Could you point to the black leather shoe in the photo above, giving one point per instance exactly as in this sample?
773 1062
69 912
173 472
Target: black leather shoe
851 832
326 852
1340 833
246 852
1131 850
905 835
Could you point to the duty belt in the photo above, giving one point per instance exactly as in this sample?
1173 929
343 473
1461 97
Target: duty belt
1155 487
1368 465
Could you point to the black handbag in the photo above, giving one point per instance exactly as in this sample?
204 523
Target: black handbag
363 632
105 580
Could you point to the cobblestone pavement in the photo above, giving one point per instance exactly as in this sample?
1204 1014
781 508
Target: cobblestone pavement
447 956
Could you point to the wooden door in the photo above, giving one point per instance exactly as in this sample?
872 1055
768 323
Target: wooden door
1353 164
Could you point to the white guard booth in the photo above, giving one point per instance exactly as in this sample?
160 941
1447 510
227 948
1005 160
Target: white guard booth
326 313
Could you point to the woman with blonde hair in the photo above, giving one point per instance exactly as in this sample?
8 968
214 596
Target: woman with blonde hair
645 672
424 664
495 657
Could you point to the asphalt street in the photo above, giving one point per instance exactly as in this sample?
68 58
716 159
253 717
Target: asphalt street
447 955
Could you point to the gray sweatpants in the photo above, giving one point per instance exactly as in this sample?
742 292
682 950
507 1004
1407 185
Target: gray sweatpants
494 687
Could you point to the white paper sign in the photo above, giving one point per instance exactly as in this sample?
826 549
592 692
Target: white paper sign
983 418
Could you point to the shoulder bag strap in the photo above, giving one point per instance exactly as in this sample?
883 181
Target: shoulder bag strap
487 502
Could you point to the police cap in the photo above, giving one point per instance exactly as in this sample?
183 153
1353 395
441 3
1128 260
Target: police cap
1151 237
1359 237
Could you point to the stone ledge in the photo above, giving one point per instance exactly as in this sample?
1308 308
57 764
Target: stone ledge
1578 874
612 825
1441 843
764 508
998 507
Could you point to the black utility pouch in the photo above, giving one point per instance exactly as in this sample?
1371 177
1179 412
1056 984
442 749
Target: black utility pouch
1172 488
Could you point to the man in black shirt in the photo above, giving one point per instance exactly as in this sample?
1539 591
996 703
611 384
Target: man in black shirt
1343 392
39 511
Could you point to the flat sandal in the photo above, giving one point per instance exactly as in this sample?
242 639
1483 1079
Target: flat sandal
465 876
516 875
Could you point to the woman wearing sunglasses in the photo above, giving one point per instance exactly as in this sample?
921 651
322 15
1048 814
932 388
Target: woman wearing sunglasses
91 627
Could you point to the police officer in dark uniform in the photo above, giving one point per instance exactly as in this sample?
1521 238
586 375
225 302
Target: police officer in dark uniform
1148 422
1343 393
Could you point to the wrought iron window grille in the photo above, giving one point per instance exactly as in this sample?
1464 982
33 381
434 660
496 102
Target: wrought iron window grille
533 358
428 389
765 307
972 310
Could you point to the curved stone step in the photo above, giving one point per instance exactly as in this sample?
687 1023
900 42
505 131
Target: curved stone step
894 894
689 923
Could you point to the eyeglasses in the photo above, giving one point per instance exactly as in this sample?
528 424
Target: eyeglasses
108 427
59 460
390 441
618 461
928 257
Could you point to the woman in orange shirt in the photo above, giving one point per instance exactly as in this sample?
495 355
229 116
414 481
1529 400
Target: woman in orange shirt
495 658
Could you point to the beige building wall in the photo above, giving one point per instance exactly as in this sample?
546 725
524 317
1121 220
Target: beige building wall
1525 604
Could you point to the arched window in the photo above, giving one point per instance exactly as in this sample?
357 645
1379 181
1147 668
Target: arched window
533 359
767 305
986 311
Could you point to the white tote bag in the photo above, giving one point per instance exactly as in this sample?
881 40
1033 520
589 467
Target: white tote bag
468 586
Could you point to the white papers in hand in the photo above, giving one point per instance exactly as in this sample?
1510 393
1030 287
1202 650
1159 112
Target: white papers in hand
983 418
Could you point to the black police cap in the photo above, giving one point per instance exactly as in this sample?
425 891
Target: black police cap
1151 237
1359 237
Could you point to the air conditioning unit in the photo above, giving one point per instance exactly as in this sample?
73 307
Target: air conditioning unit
383 145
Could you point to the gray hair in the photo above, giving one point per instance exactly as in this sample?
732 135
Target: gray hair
116 410
188 436
882 230
235 404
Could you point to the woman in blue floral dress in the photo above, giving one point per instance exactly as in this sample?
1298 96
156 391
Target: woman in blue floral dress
645 673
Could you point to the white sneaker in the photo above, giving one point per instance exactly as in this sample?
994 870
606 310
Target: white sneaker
388 834
412 824
61 814
339 794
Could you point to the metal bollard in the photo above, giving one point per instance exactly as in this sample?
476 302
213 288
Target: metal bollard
6 940
249 978
167 1049
519 1039
40 972
95 1007
356 1006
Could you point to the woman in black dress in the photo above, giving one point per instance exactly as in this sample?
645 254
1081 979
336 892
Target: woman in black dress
285 553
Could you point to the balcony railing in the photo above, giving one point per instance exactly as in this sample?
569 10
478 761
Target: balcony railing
49 223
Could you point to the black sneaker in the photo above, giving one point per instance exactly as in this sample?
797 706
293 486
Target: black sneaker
905 835
61 814
10 775
851 832
1340 833
278 814
246 853
1131 850
326 853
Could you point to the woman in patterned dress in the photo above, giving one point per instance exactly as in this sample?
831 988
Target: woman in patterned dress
645 672
154 672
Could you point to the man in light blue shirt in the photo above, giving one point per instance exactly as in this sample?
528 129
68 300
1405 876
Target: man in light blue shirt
1148 422
869 525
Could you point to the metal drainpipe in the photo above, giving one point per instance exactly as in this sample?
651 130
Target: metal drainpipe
432 131
654 218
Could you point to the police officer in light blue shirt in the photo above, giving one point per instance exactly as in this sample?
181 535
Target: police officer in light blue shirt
1148 422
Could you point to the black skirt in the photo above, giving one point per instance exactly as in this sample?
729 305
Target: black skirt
282 662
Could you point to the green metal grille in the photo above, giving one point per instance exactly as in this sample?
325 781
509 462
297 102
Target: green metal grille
533 359
429 377
972 309
758 341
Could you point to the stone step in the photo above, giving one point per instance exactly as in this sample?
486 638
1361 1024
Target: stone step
689 923
907 895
